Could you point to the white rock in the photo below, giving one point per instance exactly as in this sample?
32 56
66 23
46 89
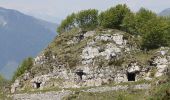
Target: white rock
90 52
120 77
133 68
118 38
89 34
15 85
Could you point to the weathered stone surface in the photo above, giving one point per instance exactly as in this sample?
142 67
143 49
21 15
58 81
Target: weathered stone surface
110 51
120 77
15 85
89 34
133 67
161 65
40 81
41 59
117 38
42 96
26 76
99 63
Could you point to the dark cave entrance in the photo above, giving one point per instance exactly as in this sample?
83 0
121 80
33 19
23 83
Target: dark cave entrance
80 73
37 85
131 76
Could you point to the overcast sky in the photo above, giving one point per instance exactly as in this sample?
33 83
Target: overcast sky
55 10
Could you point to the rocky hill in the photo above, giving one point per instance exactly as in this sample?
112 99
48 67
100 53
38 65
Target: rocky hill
115 54
21 36
99 64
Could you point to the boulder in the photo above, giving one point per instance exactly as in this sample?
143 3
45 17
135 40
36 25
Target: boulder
15 85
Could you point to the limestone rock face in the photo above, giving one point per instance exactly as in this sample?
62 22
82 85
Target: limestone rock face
161 65
133 67
88 54
15 86
89 34
41 59
110 50
161 62
26 76
39 81
120 77
102 58
117 38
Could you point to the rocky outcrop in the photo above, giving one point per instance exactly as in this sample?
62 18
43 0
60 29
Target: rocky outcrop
15 86
102 60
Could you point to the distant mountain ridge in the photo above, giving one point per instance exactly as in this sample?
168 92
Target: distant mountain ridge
165 12
21 36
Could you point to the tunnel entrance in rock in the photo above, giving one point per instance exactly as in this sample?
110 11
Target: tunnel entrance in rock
37 85
131 76
80 73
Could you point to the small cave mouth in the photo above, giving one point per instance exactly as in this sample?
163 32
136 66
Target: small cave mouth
80 73
37 85
131 76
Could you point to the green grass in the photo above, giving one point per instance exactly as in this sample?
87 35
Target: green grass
112 95
32 91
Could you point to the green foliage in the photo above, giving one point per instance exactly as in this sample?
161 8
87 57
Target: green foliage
153 29
25 65
155 33
67 24
2 82
134 23
87 19
143 16
113 17
161 92
168 34
128 23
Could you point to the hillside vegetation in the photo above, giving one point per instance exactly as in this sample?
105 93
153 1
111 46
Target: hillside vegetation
154 30
115 54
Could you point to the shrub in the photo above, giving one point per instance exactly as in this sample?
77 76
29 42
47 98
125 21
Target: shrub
87 19
25 65
67 24
113 17
155 33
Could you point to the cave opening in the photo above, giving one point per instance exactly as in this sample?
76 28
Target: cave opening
131 76
37 85
80 73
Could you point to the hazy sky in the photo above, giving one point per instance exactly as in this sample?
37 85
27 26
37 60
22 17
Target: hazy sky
55 10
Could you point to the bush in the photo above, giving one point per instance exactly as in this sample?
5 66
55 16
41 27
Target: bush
113 17
87 19
133 23
128 23
25 65
155 33
67 24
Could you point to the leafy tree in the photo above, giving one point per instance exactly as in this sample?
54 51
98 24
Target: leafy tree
133 23
168 34
141 19
67 24
129 24
87 19
113 17
25 65
155 33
